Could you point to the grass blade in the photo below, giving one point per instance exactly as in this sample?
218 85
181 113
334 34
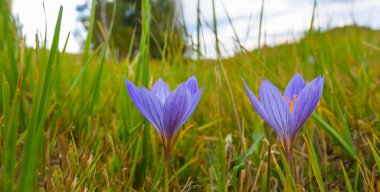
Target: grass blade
290 184
375 155
346 179
325 126
314 165
10 158
35 128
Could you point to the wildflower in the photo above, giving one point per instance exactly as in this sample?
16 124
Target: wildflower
166 110
287 113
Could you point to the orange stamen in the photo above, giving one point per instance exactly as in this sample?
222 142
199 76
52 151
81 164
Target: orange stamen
291 103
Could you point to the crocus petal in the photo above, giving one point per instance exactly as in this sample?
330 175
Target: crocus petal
193 104
136 96
161 90
153 109
256 104
192 85
277 109
175 108
306 102
294 87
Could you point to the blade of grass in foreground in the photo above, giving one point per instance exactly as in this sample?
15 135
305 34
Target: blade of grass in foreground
278 170
2 79
1 92
86 52
375 155
220 167
143 61
313 160
159 172
6 114
10 156
55 83
290 184
30 152
10 71
97 79
357 171
6 104
325 126
343 119
95 90
346 179
260 24
124 110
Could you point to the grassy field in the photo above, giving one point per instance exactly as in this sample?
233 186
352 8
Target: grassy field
68 124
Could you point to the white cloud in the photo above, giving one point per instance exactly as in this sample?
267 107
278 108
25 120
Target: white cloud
31 15
282 21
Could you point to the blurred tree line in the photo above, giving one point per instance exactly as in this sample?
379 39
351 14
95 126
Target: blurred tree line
165 26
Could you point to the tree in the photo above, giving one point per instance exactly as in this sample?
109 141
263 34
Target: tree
164 25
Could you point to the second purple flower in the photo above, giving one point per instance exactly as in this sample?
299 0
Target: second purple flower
287 113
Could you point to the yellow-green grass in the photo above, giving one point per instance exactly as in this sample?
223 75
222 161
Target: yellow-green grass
67 122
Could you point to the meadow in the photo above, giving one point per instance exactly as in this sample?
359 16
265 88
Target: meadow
68 123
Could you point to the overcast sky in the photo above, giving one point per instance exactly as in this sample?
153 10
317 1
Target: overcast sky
283 20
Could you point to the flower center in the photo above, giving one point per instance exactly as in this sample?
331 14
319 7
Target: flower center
291 103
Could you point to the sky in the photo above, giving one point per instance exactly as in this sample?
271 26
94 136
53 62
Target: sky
283 21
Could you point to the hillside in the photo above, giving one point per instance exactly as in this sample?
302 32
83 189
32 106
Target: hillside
92 137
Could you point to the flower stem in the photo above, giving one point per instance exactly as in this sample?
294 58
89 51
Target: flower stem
166 189
289 161
167 164
288 156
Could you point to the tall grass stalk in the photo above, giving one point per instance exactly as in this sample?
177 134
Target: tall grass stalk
34 131
87 50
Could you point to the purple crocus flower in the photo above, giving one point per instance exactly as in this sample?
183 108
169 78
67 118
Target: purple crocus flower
287 113
166 110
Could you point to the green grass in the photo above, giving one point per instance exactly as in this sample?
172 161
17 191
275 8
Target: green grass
67 123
